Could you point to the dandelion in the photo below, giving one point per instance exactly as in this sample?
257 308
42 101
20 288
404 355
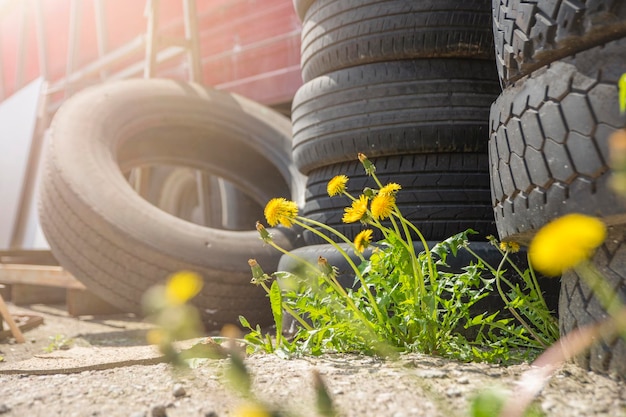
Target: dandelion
337 185
363 240
565 242
357 211
251 410
182 286
382 206
281 210
512 247
390 189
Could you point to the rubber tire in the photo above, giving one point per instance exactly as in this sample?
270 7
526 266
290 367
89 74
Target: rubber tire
532 34
346 33
302 7
231 209
117 243
393 108
549 143
578 307
442 194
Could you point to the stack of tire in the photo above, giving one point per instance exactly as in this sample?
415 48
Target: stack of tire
559 63
409 84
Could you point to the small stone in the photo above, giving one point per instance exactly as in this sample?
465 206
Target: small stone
431 373
158 411
4 408
210 414
453 392
179 391
463 380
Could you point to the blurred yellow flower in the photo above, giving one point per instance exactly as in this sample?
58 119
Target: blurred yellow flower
357 211
251 410
337 185
390 189
382 206
156 336
565 242
363 240
281 210
182 287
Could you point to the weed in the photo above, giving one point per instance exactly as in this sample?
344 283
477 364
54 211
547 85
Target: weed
58 342
403 299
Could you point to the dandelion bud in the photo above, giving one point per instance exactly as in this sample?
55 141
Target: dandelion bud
369 193
367 164
326 268
258 275
265 235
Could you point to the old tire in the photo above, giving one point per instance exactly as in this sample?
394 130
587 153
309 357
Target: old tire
393 108
549 143
531 34
347 33
442 194
578 307
117 243
302 7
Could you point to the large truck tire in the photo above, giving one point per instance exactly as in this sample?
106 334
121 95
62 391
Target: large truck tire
529 34
393 108
549 143
442 194
578 307
347 33
117 243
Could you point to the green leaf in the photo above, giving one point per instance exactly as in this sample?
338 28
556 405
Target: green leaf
276 302
487 403
245 323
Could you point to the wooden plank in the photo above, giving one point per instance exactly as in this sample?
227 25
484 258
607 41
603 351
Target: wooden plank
26 294
53 276
83 303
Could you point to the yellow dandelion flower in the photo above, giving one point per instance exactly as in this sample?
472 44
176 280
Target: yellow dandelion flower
383 205
391 189
512 247
357 211
363 240
337 185
281 210
565 242
251 410
182 287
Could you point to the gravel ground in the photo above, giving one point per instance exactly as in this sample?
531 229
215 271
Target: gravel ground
415 385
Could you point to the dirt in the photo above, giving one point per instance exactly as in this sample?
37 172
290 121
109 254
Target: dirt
109 370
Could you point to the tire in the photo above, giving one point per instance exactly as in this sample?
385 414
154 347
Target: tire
393 108
529 34
301 7
339 34
578 307
230 208
117 243
549 143
442 194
